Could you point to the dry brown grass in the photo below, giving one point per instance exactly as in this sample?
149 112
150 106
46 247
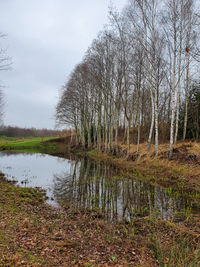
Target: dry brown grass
192 147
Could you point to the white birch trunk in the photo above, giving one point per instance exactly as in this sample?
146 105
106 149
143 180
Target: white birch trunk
179 75
152 120
156 121
186 97
173 86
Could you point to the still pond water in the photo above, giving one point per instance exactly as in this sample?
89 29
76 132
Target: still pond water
83 183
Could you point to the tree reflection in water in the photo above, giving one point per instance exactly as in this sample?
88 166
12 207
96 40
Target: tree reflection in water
94 185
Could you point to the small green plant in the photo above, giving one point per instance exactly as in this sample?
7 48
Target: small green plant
178 253
88 264
132 232
169 191
188 212
113 258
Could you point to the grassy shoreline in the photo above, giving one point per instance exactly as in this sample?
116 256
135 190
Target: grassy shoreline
155 172
179 173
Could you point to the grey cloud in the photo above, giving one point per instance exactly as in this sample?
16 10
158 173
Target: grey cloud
45 40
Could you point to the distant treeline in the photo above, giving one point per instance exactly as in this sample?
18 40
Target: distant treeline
13 131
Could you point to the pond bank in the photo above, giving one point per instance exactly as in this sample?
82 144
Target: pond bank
35 234
182 173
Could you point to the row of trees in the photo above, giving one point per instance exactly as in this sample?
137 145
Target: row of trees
135 76
14 131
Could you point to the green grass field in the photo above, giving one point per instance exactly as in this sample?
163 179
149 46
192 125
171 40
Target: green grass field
27 144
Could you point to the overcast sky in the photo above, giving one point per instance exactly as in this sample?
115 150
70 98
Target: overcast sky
46 39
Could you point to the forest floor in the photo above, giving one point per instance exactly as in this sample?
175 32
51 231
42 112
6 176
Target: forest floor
35 234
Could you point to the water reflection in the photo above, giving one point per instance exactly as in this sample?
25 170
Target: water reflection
96 186
83 183
33 170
